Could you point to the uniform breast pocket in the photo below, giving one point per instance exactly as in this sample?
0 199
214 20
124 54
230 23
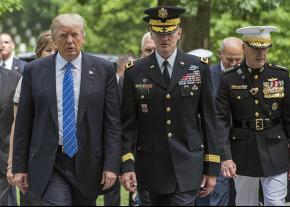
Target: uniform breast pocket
144 97
189 90
239 95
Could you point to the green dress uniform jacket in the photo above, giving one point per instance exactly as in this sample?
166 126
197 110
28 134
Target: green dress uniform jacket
169 135
254 119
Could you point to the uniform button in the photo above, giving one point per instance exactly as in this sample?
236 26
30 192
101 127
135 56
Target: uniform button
257 114
202 146
279 137
168 109
256 77
239 97
234 138
168 122
256 102
168 96
191 93
169 135
142 97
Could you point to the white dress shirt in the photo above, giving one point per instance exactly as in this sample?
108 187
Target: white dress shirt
59 73
8 63
171 61
17 92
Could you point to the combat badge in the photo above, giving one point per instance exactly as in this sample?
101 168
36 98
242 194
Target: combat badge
193 67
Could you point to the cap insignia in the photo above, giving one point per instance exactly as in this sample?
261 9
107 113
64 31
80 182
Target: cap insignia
162 13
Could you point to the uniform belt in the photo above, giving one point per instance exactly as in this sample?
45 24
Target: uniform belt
256 124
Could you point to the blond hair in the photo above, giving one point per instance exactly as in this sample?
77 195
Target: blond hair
69 19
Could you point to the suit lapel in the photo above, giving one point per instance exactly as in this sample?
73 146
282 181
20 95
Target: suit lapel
88 76
179 70
154 72
50 87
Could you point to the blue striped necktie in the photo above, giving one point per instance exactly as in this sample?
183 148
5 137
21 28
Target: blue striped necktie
70 142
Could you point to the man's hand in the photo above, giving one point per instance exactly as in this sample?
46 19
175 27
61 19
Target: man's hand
129 181
229 169
207 185
108 180
21 181
10 177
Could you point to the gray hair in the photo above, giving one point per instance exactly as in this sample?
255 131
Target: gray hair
69 19
145 36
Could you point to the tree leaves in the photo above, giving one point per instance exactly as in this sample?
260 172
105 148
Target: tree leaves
9 6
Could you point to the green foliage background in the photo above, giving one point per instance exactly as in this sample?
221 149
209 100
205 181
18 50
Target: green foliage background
116 26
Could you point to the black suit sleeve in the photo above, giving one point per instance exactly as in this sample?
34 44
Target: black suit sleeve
23 125
112 125
285 109
129 122
209 125
224 120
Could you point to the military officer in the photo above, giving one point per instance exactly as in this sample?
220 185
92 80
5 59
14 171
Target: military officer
162 96
253 113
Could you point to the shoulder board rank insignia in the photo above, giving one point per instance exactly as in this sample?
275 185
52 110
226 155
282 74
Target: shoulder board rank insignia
274 66
228 70
130 64
204 60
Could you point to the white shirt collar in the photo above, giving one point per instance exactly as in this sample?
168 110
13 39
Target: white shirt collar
222 66
61 62
8 62
171 59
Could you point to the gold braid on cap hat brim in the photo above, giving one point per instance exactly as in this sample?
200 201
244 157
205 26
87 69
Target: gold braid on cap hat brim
259 44
164 29
169 22
258 41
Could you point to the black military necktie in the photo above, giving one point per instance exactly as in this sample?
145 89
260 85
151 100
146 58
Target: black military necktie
165 72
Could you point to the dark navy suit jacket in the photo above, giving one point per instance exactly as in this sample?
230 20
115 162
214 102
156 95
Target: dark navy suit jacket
215 76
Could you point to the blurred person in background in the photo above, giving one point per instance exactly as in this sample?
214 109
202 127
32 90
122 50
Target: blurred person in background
8 83
8 60
147 45
44 47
